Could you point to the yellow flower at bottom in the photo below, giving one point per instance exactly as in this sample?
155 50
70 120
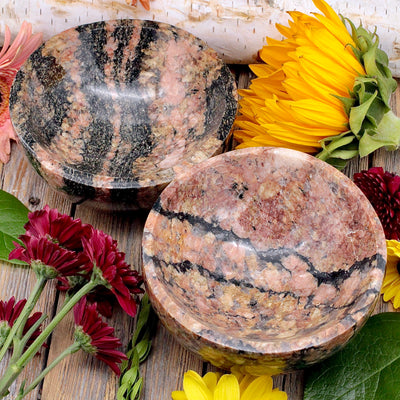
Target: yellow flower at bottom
391 282
213 386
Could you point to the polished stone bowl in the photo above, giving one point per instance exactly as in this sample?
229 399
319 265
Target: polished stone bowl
264 258
106 112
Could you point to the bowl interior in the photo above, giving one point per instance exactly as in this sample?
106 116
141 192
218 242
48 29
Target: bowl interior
123 102
260 245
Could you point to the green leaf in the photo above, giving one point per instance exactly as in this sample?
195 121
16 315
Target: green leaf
358 114
139 348
122 390
386 135
145 309
136 390
143 349
13 217
130 377
368 368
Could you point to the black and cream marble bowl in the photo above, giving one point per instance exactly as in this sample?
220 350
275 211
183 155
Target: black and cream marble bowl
265 259
107 111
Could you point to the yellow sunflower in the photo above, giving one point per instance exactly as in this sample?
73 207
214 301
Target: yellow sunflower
320 90
213 386
391 282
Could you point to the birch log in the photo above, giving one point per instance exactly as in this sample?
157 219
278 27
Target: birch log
235 28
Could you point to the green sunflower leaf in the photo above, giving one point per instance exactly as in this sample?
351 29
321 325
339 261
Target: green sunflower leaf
368 368
359 113
13 216
385 135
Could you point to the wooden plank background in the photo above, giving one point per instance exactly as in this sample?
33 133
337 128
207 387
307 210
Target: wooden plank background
81 376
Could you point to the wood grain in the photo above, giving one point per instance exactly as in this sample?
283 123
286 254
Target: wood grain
81 376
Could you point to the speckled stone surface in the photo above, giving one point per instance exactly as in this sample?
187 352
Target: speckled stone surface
106 111
265 258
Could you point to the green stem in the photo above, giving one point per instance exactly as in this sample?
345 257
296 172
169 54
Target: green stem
14 369
32 330
70 350
19 323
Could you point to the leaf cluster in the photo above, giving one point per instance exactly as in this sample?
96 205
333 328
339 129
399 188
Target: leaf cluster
131 382
372 124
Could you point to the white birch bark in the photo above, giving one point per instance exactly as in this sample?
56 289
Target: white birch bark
235 28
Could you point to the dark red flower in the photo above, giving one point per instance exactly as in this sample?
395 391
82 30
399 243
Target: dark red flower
58 228
42 252
382 190
10 311
123 281
95 336
103 297
28 325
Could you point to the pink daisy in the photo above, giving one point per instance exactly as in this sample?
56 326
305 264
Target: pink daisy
11 58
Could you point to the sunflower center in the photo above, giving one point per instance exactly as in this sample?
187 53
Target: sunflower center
398 267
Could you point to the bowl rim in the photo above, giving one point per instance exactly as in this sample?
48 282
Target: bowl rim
204 335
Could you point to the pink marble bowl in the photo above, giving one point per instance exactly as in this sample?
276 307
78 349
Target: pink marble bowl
107 111
264 258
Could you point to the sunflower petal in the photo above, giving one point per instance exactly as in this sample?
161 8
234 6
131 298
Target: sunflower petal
211 380
195 388
277 395
178 395
227 388
258 388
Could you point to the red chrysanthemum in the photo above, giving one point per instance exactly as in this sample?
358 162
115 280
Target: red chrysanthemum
124 282
58 228
95 336
382 190
103 297
40 251
10 311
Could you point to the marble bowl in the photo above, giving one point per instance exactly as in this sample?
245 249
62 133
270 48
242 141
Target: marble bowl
107 111
266 259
